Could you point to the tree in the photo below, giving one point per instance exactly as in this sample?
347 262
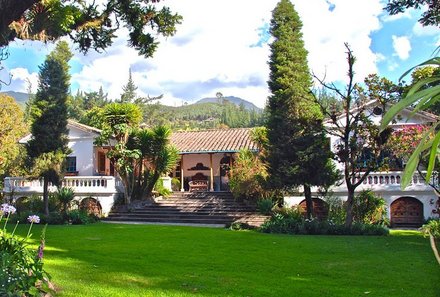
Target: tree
358 142
87 23
139 156
297 150
48 146
430 17
12 128
129 90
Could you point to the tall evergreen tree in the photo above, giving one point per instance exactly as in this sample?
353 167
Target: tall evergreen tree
297 153
129 90
48 146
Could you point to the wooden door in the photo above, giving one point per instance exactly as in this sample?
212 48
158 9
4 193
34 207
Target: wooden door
407 211
320 208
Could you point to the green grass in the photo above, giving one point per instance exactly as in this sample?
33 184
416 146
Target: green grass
148 260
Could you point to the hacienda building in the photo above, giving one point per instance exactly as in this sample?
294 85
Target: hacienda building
205 160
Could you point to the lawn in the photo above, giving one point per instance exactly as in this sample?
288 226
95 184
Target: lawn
150 260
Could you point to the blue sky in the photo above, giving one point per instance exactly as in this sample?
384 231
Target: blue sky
222 46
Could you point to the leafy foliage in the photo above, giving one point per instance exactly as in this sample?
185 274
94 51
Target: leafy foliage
291 221
248 176
430 17
88 24
12 128
22 272
297 150
48 146
354 129
140 156
368 208
422 97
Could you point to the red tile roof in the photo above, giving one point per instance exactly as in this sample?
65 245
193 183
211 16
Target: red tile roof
212 141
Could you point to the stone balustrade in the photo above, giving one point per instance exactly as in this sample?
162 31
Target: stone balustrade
79 184
390 181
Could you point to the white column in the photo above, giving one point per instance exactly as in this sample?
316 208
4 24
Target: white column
182 189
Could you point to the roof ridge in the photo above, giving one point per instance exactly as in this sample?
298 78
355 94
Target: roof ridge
213 129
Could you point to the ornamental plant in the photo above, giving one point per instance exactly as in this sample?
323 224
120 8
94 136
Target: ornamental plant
404 141
21 271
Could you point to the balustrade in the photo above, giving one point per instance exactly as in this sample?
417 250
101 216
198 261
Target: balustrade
80 184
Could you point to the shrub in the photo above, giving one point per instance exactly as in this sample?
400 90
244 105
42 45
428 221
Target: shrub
290 221
175 184
80 217
336 209
65 196
160 189
35 204
368 208
264 206
22 272
247 176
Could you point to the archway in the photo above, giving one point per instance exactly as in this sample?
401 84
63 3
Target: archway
406 212
320 208
91 206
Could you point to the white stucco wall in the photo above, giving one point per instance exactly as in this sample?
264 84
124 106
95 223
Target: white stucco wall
81 144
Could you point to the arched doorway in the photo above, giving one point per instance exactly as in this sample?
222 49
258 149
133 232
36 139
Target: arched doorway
406 212
91 206
320 208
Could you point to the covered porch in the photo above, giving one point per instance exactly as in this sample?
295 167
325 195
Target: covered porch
207 157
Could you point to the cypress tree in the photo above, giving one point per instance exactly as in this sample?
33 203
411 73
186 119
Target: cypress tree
297 150
48 146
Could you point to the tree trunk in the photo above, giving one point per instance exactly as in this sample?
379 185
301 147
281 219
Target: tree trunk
349 208
46 195
309 201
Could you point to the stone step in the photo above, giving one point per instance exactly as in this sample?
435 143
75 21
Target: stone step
173 220
194 208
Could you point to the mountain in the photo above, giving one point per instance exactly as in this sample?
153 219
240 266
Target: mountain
20 97
236 100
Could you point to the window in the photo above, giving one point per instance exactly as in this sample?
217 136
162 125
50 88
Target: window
70 164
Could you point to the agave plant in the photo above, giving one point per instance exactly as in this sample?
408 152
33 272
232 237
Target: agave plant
65 196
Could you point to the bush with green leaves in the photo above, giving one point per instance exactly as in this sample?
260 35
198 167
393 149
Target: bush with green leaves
60 204
336 209
175 184
368 208
291 221
160 189
80 217
65 197
21 272
264 206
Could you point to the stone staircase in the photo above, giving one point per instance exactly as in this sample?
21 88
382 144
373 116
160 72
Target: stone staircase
207 208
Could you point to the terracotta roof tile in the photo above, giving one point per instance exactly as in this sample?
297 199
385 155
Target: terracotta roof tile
210 141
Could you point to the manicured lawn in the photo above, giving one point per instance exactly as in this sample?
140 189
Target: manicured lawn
146 260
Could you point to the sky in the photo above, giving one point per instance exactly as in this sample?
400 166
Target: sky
223 46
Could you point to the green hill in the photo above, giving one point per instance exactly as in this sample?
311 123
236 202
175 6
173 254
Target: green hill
20 97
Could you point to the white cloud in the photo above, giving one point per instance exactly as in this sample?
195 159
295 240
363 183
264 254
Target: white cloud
21 78
211 51
402 46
